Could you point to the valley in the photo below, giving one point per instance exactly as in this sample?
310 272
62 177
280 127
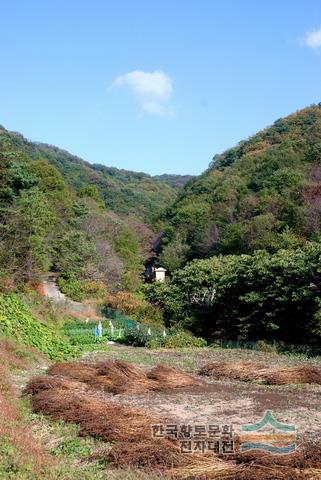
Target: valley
95 354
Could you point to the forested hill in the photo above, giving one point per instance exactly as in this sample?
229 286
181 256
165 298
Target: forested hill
59 213
124 192
265 193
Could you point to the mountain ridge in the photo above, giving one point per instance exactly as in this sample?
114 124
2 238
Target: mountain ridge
123 191
264 193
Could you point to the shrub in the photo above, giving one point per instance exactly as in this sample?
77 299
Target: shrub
181 339
17 321
173 339
155 343
123 302
136 307
137 338
79 290
263 346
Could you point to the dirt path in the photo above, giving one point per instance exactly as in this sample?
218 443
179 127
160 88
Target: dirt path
52 291
77 309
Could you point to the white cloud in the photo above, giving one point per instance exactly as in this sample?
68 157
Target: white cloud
152 89
313 39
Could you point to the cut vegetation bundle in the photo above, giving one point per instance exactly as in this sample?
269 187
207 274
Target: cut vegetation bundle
69 392
122 377
303 464
130 427
274 375
95 416
165 456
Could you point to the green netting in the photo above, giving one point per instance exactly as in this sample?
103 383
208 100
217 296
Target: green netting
120 321
118 317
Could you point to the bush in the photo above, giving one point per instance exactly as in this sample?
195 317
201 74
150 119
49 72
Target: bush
183 339
136 307
135 337
123 302
173 339
79 290
263 346
17 321
155 343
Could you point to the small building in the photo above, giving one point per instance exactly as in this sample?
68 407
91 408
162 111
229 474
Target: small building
159 274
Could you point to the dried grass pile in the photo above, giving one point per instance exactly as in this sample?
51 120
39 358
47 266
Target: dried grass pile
274 375
165 456
299 374
150 454
234 371
304 464
63 398
46 382
81 371
122 377
95 416
119 367
166 377
69 393
203 467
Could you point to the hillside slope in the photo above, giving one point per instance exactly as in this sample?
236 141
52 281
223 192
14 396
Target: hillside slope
54 219
122 191
265 193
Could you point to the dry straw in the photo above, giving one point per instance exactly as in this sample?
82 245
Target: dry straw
122 377
69 393
165 456
96 417
274 375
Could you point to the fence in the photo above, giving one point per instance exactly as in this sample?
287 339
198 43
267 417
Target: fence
114 326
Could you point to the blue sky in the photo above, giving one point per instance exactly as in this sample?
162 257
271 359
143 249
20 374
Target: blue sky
155 86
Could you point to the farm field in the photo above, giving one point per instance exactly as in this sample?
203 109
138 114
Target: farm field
133 393
223 401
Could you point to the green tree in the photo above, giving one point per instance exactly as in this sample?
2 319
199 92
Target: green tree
174 255
26 236
75 253
91 191
260 296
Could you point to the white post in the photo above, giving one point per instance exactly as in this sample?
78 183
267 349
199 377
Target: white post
100 330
